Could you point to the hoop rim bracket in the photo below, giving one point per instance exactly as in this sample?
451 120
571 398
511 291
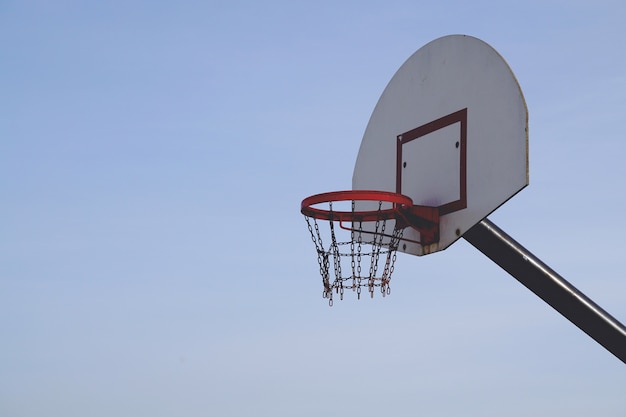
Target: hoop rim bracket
424 219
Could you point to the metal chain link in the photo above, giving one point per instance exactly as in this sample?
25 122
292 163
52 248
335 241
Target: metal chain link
338 283
354 249
352 260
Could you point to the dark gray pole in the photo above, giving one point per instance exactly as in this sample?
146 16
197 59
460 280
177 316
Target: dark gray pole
549 286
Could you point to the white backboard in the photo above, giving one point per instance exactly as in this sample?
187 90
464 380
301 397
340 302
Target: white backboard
450 131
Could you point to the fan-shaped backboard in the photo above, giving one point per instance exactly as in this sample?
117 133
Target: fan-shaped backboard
450 131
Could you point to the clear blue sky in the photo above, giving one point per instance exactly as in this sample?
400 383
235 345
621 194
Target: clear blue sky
153 260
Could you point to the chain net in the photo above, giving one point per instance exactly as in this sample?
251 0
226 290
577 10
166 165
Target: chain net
357 256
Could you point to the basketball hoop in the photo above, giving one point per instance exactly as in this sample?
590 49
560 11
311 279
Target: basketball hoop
370 229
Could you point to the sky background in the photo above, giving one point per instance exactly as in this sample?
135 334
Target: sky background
153 260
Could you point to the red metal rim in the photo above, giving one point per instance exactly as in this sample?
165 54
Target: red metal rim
398 200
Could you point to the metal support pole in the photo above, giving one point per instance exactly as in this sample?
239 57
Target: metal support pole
549 286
